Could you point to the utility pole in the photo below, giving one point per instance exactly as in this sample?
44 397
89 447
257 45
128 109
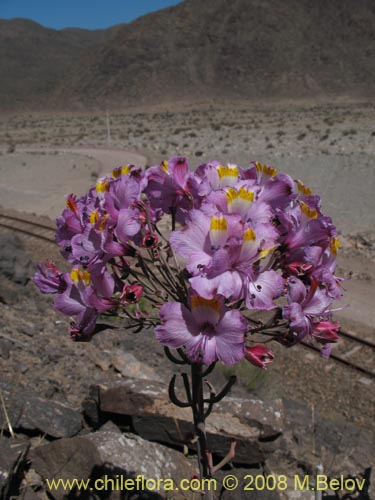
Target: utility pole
108 129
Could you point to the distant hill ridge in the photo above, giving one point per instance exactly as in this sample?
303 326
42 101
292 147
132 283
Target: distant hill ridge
197 49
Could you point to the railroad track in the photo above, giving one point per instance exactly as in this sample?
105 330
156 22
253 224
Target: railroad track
28 227
352 352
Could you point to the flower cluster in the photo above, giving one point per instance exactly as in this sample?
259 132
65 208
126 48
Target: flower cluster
204 249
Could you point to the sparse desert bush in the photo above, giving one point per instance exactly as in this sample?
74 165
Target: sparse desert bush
350 131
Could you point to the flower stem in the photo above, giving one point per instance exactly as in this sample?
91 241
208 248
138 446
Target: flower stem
199 420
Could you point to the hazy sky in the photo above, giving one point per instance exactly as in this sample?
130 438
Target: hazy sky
90 14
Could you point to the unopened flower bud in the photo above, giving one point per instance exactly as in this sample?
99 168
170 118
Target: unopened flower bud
259 355
131 294
150 241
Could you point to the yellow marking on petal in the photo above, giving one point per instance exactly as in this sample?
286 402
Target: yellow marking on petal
311 213
74 274
94 217
103 222
201 302
270 171
218 224
265 169
117 172
239 201
265 252
164 166
231 195
335 245
303 189
244 194
249 235
86 276
78 275
226 171
102 186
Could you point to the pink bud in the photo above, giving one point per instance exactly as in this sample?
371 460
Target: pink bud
131 294
150 241
298 268
326 332
259 355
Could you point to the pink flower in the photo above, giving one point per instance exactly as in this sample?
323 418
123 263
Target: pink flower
131 294
209 330
259 355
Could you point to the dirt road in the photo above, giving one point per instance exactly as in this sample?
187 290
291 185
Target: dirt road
37 179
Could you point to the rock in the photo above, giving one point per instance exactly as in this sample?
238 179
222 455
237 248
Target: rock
29 330
5 347
341 447
107 454
29 493
129 366
110 427
255 425
12 462
90 408
15 264
351 446
31 413
9 292
247 484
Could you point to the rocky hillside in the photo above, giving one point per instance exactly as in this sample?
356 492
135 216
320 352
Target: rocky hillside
34 59
240 48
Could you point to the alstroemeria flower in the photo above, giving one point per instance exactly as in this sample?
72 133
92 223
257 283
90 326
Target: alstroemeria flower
259 355
49 279
246 235
82 301
209 331
172 188
306 305
221 253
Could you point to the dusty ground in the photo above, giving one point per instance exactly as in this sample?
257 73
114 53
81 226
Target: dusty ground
331 148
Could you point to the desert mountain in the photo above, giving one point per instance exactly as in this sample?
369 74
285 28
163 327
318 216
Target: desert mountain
199 48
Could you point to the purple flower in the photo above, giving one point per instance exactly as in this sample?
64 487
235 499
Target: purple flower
222 254
172 188
49 279
82 301
306 305
209 331
120 194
